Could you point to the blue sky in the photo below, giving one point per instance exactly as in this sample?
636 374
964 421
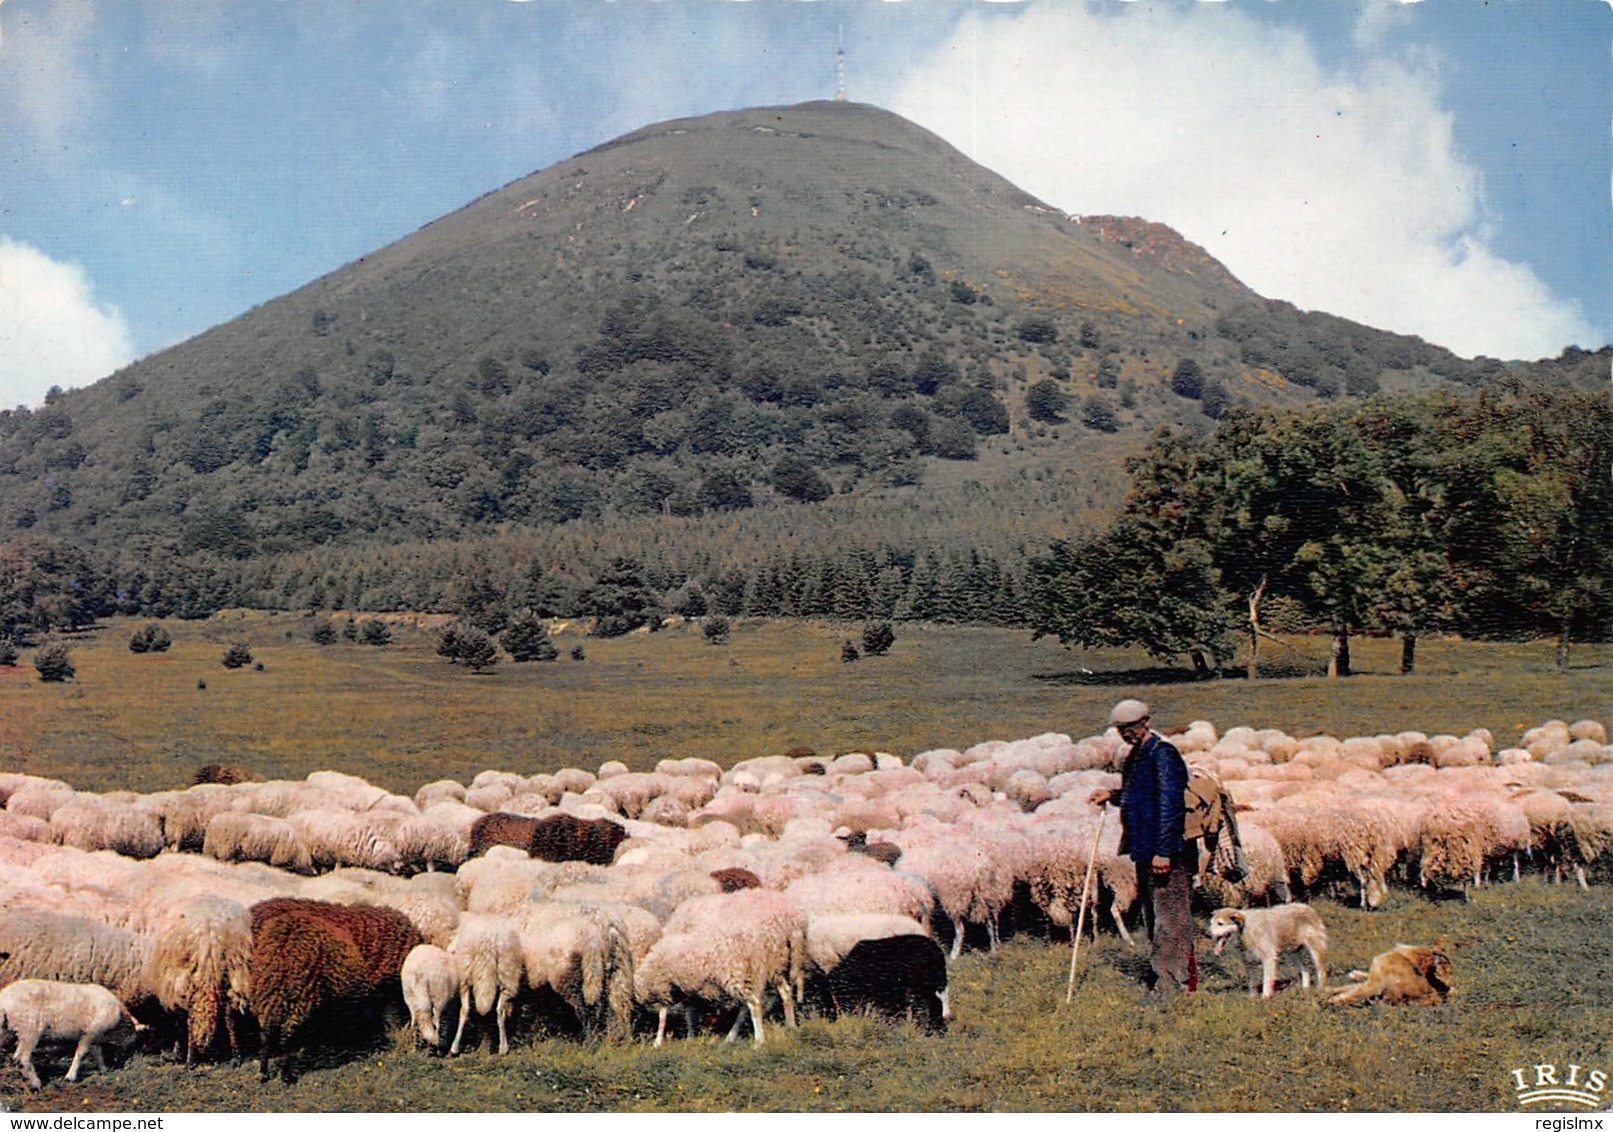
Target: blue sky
1439 168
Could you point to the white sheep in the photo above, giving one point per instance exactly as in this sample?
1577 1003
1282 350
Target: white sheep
272 840
73 949
200 965
87 1014
487 956
581 955
733 947
430 979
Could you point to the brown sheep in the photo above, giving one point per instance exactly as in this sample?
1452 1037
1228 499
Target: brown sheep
224 775
500 828
562 837
384 936
734 879
302 968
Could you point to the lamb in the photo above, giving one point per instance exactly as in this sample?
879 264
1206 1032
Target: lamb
303 968
200 965
46 1010
487 958
430 979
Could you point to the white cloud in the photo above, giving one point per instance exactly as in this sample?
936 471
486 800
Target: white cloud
52 331
1337 192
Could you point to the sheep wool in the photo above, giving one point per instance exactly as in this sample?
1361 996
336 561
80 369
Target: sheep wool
200 965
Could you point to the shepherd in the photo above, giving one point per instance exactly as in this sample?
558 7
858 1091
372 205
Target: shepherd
1153 783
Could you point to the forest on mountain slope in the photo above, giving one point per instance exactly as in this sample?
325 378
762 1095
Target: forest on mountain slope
813 348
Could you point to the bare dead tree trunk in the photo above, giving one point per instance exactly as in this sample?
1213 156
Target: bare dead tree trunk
1563 633
1408 654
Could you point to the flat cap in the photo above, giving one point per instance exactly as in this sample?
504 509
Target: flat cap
1128 711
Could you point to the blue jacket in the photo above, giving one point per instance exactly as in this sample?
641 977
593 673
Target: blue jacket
1153 780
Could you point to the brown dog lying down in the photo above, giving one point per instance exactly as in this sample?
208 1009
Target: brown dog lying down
1407 973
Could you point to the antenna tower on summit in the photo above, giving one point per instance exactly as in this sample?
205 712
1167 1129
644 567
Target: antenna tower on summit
840 64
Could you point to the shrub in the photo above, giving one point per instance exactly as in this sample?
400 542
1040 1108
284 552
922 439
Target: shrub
238 655
878 638
54 663
8 652
151 638
323 634
1097 413
716 630
1038 329
527 639
1188 380
848 652
374 632
578 653
1046 402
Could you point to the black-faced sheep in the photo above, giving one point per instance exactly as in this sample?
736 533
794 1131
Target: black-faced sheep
87 1014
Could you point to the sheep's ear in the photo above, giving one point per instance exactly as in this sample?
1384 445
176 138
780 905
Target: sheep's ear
1236 916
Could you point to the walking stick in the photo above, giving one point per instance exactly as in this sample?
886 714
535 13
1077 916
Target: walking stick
1086 887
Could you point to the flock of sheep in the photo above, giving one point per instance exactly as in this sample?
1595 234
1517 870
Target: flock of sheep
239 916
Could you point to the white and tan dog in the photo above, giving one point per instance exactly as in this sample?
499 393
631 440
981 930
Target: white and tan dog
1262 934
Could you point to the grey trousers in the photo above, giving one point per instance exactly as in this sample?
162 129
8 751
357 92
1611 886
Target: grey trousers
1167 910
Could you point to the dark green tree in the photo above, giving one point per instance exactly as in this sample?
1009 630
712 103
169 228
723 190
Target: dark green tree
54 663
150 638
621 600
375 632
878 637
527 639
794 477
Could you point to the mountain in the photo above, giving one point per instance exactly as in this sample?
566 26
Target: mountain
719 331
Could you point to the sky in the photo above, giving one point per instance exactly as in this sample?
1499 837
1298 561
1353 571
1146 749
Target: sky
1439 168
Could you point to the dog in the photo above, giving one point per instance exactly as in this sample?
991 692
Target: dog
1407 973
1265 933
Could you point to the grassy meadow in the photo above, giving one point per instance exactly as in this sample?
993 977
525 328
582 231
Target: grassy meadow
1533 967
401 716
